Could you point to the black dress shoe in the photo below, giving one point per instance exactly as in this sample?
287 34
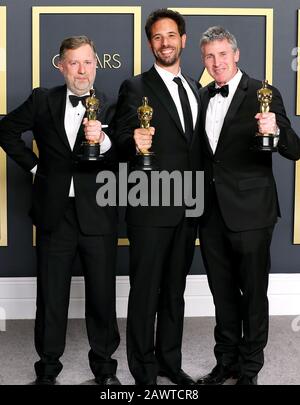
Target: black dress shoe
45 380
107 379
181 378
246 380
217 376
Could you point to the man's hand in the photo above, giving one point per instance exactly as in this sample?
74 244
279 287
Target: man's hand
93 131
143 138
266 123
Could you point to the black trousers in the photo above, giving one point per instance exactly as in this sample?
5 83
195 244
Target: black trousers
160 259
237 265
55 255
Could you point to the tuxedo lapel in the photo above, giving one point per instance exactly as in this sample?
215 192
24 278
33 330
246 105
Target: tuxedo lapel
204 104
155 82
237 100
196 94
57 105
79 139
204 100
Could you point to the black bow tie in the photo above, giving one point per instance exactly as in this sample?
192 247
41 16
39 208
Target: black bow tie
224 90
75 100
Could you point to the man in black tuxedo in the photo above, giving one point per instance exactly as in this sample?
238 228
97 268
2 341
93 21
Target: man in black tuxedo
161 238
67 217
241 206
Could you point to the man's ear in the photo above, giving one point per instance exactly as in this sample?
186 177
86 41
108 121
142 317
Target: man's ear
183 40
60 67
237 55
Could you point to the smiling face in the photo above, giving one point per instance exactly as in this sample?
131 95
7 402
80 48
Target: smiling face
167 44
220 60
78 67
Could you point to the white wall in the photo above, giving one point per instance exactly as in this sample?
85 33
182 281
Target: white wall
17 296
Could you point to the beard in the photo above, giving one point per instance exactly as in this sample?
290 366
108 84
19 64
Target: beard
167 60
79 87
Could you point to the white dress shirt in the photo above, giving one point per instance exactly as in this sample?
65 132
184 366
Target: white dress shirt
217 109
72 122
167 78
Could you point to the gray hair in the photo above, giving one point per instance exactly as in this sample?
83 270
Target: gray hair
75 43
218 33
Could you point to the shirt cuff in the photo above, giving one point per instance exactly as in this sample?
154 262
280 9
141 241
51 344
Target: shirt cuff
276 135
106 144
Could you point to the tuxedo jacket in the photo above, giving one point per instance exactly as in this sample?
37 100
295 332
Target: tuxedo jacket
241 176
43 113
173 151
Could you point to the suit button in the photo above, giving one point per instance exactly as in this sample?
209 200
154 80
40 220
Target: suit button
217 161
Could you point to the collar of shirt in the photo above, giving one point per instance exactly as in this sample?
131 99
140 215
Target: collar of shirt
233 83
167 78
70 93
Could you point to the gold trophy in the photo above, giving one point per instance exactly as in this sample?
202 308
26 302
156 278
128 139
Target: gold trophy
265 142
145 159
90 150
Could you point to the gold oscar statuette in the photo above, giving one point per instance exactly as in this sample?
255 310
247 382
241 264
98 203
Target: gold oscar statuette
265 142
145 159
90 150
145 113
